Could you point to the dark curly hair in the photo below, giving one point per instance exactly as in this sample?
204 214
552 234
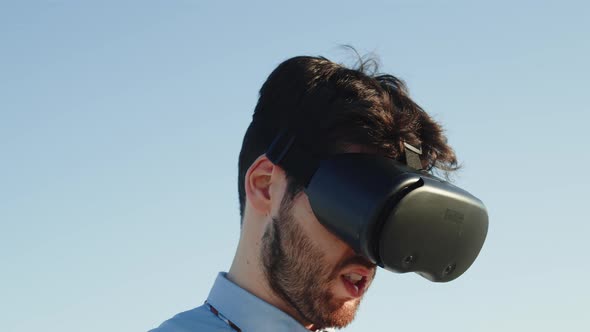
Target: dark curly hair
340 107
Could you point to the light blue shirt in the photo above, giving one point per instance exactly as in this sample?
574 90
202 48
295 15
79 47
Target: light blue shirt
245 310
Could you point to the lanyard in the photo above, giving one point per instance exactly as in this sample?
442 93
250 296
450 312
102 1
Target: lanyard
222 317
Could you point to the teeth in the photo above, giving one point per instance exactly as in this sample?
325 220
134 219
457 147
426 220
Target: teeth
353 277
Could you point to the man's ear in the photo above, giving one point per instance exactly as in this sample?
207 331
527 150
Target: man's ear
258 184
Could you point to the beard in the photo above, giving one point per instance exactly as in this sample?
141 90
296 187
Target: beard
298 273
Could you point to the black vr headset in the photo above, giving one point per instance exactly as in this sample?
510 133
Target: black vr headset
396 215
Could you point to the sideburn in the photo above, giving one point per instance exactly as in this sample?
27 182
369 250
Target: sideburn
274 258
294 269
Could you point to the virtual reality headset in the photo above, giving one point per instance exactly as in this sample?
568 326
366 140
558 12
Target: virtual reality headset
397 216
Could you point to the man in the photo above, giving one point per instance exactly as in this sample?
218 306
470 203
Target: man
289 272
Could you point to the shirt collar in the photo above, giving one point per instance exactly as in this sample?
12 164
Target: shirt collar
247 311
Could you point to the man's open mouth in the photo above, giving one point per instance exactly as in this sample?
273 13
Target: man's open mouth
355 283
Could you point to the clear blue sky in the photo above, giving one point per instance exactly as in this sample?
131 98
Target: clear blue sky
121 122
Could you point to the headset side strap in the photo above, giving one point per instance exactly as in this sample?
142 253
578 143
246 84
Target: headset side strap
413 156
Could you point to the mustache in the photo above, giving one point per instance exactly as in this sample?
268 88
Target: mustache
356 260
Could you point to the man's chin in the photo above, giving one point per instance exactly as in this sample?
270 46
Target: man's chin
343 313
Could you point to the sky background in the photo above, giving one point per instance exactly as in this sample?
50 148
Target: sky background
121 124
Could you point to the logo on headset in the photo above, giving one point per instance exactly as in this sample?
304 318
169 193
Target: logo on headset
456 218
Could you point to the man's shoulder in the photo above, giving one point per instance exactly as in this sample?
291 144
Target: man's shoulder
197 319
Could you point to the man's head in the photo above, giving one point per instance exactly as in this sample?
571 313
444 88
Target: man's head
319 277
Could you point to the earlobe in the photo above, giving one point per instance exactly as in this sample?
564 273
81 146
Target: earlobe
258 185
